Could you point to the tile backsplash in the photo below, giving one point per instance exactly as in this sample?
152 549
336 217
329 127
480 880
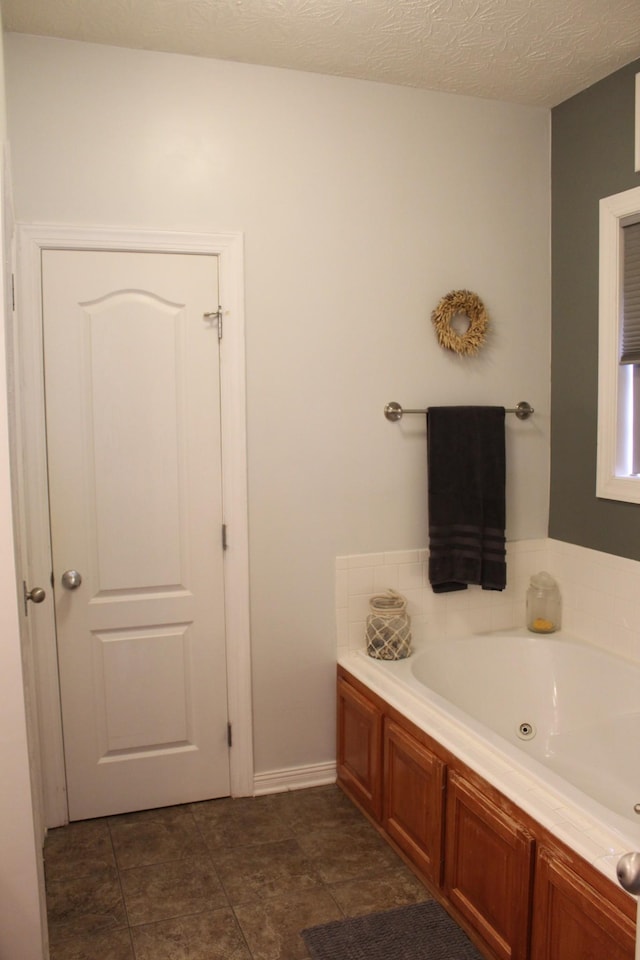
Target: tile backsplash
600 595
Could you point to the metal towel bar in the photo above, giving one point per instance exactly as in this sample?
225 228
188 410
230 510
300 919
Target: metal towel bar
393 411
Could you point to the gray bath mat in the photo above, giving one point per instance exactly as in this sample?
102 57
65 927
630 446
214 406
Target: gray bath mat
421 931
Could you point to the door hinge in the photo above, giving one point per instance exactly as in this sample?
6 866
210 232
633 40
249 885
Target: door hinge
13 292
224 536
217 316
229 736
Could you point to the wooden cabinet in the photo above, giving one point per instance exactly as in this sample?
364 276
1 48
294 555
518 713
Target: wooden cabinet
572 918
359 762
413 796
518 891
488 869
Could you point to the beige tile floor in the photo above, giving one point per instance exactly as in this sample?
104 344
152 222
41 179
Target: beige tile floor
220 880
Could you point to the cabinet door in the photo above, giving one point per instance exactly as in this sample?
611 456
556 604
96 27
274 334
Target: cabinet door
359 764
488 868
571 919
413 799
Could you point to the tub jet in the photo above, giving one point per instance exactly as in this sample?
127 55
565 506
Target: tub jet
526 731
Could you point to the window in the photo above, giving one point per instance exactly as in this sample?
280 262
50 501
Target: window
618 470
637 124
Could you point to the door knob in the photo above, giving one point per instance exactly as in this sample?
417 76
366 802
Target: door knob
628 872
71 579
36 595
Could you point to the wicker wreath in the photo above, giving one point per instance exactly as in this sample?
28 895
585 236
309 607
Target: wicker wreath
469 304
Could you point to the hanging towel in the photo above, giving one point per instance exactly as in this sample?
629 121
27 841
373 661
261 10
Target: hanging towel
466 473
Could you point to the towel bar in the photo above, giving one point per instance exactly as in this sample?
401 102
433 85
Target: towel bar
393 411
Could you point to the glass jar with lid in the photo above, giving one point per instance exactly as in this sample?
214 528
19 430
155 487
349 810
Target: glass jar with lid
388 630
543 604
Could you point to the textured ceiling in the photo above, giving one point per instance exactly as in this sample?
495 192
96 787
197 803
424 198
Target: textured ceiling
528 51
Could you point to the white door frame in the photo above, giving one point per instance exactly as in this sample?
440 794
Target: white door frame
228 247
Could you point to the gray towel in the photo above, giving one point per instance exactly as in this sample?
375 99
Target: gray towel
466 467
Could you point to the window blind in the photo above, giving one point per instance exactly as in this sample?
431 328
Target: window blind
631 294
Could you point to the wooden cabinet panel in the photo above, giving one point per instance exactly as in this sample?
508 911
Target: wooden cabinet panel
359 762
571 919
413 799
488 867
569 911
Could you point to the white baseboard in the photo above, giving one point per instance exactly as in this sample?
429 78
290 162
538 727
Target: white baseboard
294 778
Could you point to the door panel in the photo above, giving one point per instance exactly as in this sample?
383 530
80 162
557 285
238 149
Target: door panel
133 428
359 755
488 868
413 806
139 423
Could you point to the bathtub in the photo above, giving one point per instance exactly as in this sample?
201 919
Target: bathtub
551 721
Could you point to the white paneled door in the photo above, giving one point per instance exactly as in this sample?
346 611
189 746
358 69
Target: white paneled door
133 430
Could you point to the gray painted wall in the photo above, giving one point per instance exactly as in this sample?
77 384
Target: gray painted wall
592 157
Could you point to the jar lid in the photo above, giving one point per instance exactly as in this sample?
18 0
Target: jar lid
390 601
543 581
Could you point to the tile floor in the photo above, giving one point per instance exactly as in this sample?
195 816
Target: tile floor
220 880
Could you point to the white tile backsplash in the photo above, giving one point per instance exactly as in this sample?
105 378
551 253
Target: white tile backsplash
600 595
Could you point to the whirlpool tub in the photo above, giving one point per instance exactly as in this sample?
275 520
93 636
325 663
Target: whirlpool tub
552 722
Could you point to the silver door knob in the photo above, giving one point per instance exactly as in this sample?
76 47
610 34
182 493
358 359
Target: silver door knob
71 579
36 594
628 872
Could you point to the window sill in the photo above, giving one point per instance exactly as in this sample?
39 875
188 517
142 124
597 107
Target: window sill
626 489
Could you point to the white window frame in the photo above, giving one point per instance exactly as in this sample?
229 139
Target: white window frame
614 393
637 124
